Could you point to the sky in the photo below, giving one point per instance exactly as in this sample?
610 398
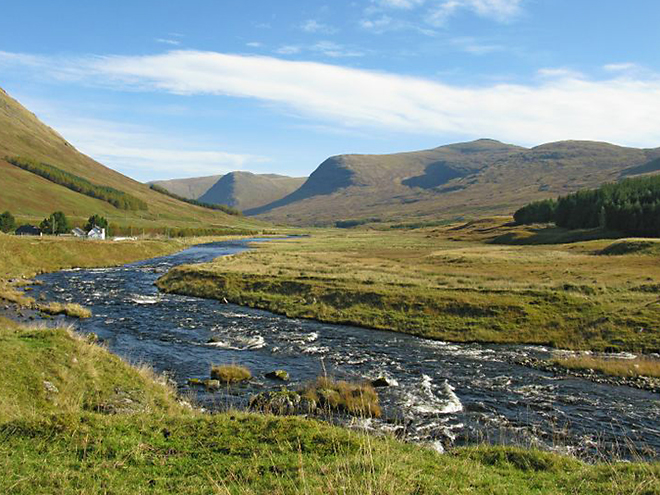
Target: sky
163 89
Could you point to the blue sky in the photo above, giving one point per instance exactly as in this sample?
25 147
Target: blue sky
162 88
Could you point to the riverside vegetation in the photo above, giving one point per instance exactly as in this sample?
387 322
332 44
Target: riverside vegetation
485 281
76 419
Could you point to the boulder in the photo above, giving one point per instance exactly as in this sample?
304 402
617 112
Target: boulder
381 381
280 375
282 402
212 384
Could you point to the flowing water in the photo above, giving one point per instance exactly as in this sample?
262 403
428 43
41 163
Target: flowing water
443 394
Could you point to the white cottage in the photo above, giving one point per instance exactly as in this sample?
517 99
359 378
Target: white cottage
96 233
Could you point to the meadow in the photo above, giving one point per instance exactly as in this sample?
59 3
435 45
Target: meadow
482 281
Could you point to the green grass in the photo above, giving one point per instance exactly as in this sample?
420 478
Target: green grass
31 198
450 283
100 425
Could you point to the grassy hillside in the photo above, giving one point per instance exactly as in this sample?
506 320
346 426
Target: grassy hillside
245 190
463 180
241 190
192 188
31 198
76 419
459 283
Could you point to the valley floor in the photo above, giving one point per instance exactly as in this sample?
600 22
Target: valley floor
478 282
74 418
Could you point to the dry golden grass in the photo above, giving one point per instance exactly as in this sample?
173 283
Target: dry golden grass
641 366
73 310
230 373
358 399
446 283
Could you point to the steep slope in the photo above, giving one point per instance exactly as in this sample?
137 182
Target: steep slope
245 190
192 188
31 197
464 179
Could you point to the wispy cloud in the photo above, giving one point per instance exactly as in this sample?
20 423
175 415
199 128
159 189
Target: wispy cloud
436 13
313 26
327 48
146 154
564 106
254 44
168 41
288 50
475 46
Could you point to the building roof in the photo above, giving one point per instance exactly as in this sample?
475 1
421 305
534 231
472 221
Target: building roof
28 229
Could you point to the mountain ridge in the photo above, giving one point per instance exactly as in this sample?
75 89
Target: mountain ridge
455 180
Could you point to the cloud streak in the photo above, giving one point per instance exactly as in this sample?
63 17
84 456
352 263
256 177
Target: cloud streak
559 105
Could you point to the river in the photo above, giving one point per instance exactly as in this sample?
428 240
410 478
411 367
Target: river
444 394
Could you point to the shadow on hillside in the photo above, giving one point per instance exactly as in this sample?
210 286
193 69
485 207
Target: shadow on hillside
550 234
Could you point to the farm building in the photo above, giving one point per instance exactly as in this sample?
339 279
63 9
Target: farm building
28 230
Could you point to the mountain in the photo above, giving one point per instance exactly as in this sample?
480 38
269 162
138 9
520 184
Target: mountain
477 178
191 188
31 197
241 190
244 190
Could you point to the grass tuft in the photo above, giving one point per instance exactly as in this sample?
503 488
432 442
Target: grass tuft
357 399
230 373
72 310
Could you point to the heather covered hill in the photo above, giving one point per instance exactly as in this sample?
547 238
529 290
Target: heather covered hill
30 197
458 180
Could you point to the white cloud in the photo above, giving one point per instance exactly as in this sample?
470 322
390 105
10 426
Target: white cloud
313 26
254 44
558 106
622 67
141 152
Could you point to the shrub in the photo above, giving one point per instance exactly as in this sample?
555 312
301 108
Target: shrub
7 222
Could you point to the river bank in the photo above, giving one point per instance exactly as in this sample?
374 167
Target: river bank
169 449
437 285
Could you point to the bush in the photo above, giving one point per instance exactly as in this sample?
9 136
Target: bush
7 222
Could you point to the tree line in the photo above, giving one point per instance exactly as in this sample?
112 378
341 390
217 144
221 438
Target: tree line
631 206
211 206
116 198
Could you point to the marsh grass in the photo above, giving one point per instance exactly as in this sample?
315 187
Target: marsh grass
230 373
439 284
72 310
640 366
